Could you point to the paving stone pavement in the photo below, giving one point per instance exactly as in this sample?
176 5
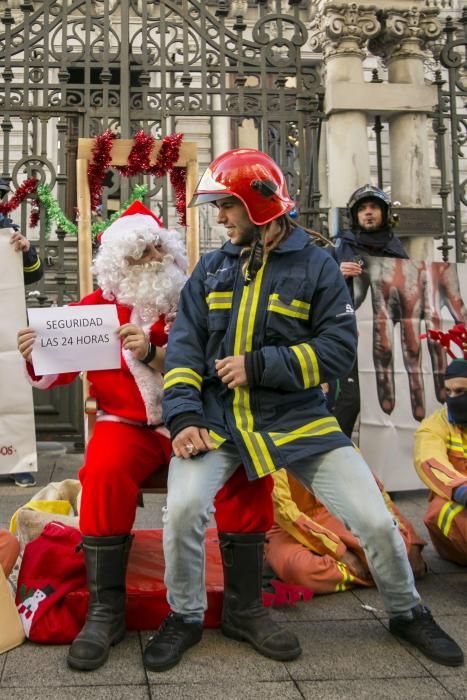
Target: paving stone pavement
347 651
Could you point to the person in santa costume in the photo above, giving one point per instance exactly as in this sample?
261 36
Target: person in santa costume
141 268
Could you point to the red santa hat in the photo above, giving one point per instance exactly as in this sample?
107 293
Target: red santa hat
143 219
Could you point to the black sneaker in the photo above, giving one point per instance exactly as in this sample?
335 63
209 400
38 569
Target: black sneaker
165 648
427 636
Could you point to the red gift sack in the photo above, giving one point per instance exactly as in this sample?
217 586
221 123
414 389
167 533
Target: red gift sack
52 567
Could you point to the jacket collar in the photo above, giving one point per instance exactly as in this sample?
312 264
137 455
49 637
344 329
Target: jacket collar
297 240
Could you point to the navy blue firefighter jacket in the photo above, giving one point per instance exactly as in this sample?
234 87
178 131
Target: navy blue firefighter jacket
296 318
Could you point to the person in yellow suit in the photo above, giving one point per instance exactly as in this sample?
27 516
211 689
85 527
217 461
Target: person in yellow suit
309 547
441 462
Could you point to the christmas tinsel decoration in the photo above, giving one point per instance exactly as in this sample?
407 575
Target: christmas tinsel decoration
28 187
101 158
178 182
53 213
457 335
138 193
139 161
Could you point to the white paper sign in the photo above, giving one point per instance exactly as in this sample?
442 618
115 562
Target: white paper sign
17 432
75 338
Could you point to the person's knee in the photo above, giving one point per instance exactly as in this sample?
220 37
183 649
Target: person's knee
106 473
185 511
377 526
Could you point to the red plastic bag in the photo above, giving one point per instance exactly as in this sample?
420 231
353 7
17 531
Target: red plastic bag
52 566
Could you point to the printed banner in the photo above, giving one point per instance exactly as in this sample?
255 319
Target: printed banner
17 430
401 376
75 338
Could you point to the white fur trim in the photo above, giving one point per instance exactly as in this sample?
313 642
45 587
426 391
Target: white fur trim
125 225
150 385
44 382
149 382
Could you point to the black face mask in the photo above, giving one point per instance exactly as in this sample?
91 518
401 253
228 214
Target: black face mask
457 408
375 239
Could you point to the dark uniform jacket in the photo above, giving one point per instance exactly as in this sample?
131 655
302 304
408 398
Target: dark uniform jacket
348 248
33 269
297 321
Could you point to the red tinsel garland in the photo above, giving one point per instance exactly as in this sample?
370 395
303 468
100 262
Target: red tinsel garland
35 214
101 158
139 161
28 187
139 157
178 182
456 335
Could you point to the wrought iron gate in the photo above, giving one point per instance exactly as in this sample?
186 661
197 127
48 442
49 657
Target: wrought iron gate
450 126
74 68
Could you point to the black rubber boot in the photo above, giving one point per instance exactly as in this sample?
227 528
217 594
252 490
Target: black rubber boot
106 561
243 616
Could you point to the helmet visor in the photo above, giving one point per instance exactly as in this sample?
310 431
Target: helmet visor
207 198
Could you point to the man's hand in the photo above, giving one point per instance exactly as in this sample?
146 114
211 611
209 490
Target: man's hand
416 561
350 269
355 565
19 242
231 370
191 441
134 339
26 338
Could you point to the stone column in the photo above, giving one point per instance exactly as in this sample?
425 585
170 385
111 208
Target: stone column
402 44
341 31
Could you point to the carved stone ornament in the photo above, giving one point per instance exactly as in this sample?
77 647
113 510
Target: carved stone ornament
344 28
406 33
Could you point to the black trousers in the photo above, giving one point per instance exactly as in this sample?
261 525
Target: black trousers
347 406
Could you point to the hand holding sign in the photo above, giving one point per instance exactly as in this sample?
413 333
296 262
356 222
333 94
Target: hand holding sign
71 339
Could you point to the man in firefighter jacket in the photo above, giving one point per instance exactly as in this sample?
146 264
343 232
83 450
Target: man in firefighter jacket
261 323
140 267
441 463
371 233
308 546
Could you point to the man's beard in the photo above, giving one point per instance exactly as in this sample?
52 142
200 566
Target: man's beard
152 289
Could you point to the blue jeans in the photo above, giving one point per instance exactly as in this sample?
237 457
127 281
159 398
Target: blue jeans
340 479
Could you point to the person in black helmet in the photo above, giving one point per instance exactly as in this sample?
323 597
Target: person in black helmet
371 233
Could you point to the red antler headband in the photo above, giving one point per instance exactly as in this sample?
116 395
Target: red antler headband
457 335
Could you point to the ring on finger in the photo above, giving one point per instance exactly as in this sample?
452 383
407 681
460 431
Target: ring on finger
190 448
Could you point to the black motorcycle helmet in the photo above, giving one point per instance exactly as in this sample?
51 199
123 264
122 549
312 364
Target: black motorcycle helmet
365 193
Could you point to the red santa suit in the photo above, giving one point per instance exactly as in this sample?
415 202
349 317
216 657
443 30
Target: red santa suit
129 442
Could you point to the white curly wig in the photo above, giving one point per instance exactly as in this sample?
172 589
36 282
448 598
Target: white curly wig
153 288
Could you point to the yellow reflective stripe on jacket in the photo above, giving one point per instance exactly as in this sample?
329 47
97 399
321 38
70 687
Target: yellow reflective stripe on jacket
296 308
308 363
446 515
254 442
32 268
243 343
217 440
183 375
347 577
258 452
219 300
456 445
322 426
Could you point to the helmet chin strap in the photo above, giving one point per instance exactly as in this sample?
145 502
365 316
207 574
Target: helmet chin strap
255 258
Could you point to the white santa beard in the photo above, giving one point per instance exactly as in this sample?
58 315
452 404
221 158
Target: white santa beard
152 289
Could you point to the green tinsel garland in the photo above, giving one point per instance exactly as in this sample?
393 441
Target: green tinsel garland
54 213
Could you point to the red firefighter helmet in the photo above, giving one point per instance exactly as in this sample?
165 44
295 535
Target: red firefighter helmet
250 175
